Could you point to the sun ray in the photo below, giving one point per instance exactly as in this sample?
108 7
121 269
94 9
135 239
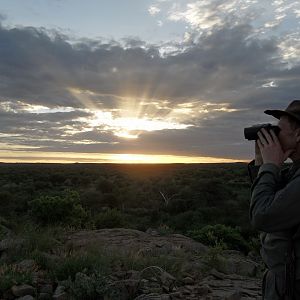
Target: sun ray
83 97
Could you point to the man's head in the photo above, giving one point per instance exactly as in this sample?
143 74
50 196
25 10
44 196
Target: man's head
289 136
289 123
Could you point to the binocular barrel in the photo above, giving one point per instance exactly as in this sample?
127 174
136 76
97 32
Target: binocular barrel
250 133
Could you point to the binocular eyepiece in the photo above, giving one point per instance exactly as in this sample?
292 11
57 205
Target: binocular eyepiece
250 133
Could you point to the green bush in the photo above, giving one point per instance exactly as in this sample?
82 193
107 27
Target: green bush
93 200
230 237
87 274
69 266
213 258
63 209
34 239
185 221
12 275
104 185
4 228
7 202
112 218
92 287
4 222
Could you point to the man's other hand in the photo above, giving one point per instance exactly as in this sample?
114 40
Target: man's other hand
270 148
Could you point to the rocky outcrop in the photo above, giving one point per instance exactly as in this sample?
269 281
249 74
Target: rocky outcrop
203 274
161 285
232 278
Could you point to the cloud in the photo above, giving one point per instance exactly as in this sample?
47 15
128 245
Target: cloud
58 95
44 70
153 10
205 16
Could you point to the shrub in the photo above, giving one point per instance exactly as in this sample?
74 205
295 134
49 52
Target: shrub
112 218
164 229
213 258
42 239
7 202
63 209
4 222
92 287
12 275
185 221
92 200
32 239
4 228
69 266
230 237
105 186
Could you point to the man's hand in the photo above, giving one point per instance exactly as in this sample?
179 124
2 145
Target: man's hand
270 148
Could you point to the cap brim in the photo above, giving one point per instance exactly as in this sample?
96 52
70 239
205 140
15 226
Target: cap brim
275 113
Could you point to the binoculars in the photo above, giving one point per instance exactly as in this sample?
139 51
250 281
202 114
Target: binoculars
250 133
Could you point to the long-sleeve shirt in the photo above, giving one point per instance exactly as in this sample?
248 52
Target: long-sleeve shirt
275 211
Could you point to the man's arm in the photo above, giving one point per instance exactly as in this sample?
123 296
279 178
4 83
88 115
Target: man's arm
271 209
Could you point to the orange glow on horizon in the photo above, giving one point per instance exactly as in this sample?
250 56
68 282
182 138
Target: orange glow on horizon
69 157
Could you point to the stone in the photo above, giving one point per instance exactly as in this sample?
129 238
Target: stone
27 297
217 274
175 294
153 296
62 296
167 278
26 264
23 290
152 231
188 280
236 264
46 288
132 274
60 289
203 290
45 296
234 296
8 295
131 285
60 293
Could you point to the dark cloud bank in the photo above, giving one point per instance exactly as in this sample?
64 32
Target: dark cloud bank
228 66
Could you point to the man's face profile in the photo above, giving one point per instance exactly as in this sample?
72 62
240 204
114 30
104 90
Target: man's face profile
287 135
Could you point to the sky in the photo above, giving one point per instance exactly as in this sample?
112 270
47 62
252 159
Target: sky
142 81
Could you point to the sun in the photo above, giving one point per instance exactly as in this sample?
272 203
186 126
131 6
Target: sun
128 127
130 117
135 158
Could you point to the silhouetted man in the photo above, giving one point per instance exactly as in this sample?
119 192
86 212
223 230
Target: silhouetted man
275 204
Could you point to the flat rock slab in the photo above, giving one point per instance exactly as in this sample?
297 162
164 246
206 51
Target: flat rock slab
130 239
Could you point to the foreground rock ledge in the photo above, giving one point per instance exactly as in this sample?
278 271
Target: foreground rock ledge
235 278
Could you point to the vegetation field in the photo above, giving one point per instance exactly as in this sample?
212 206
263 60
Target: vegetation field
42 202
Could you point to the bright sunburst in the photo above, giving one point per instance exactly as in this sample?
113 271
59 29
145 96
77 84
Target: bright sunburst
132 117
